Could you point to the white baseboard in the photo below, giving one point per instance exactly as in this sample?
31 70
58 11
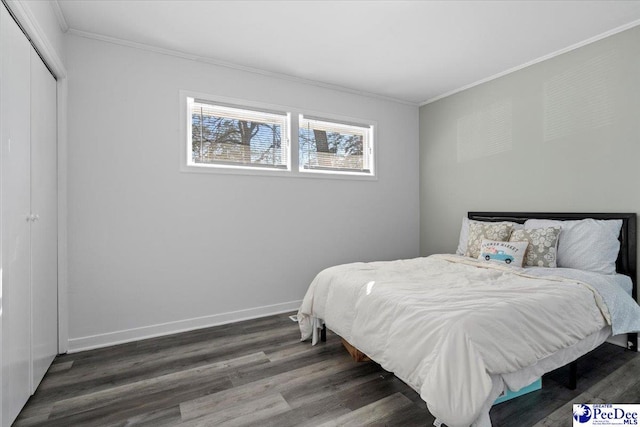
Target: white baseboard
619 340
135 334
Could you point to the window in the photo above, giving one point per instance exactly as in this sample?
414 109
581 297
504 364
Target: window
232 137
330 147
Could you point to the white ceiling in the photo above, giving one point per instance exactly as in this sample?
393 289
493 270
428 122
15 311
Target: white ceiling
413 51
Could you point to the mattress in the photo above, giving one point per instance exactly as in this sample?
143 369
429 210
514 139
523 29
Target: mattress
474 328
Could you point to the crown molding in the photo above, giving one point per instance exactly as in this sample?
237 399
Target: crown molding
37 37
535 61
219 63
62 21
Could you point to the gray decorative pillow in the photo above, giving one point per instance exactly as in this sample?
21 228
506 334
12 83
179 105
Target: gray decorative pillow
497 231
464 232
543 244
587 244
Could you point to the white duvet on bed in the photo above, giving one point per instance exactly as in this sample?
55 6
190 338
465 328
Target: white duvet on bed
446 324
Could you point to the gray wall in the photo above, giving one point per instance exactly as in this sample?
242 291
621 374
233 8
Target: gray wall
561 135
153 250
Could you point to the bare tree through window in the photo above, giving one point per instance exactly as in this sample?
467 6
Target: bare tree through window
220 138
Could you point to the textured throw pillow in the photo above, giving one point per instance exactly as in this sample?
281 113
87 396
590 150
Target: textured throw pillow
543 243
511 253
588 244
478 231
464 232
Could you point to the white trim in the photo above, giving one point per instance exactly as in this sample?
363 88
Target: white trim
212 61
240 112
151 331
63 264
62 21
219 63
366 130
293 171
619 340
535 61
38 38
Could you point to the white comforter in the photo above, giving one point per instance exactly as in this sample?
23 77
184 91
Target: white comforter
445 324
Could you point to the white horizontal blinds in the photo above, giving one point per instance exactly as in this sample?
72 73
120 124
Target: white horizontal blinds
229 136
329 146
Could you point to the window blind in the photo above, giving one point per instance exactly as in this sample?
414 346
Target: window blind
330 146
228 136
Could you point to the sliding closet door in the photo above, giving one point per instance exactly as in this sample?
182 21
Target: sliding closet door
44 229
16 304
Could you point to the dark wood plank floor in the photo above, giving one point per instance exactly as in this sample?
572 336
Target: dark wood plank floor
258 373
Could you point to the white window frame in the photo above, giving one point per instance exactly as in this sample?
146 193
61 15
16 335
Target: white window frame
293 170
368 152
227 108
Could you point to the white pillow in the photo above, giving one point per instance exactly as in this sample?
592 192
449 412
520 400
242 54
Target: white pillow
510 253
587 244
464 233
464 236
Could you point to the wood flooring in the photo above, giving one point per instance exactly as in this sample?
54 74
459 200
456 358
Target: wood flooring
258 373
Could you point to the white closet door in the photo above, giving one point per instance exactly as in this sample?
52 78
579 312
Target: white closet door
16 303
44 227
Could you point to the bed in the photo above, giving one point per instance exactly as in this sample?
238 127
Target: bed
460 330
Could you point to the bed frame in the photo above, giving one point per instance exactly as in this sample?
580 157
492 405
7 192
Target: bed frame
625 264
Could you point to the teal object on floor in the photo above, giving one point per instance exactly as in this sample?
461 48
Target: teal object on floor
508 394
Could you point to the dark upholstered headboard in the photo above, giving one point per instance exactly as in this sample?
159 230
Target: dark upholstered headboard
627 257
